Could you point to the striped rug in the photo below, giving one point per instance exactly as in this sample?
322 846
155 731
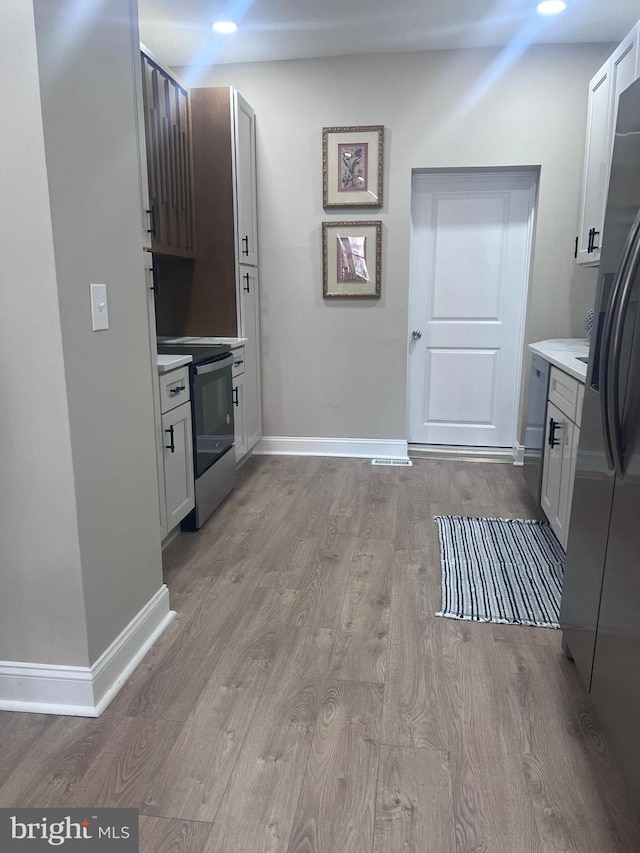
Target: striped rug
500 570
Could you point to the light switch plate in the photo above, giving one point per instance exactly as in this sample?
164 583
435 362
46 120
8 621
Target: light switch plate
99 307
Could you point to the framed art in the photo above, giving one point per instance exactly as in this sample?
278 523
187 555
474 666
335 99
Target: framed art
352 166
352 254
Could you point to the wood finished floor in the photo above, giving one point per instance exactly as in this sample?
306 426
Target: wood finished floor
306 699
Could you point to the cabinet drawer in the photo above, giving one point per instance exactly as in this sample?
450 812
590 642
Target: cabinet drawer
563 392
238 362
174 389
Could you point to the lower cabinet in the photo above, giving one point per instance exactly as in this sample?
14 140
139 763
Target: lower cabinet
174 438
251 330
178 464
240 417
562 438
559 470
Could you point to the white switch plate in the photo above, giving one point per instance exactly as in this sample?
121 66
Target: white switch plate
99 307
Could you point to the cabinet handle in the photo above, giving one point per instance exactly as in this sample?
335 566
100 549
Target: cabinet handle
152 221
236 401
172 446
238 362
155 275
553 426
246 288
178 389
591 236
595 234
245 245
575 253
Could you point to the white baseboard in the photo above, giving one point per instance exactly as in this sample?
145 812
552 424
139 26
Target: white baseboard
359 448
83 691
518 454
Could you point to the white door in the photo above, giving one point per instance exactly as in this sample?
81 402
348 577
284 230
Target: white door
470 250
247 214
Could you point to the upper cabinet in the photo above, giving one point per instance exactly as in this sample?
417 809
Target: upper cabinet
616 75
167 121
245 167
596 166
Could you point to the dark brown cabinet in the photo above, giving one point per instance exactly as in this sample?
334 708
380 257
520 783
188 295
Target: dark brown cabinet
169 161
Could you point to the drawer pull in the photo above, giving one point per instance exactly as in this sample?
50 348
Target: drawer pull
172 446
553 426
178 389
238 362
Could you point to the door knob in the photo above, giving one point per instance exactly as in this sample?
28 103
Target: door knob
416 335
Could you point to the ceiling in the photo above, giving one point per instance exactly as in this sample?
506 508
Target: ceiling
179 31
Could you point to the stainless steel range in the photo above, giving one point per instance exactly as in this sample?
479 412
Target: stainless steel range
212 403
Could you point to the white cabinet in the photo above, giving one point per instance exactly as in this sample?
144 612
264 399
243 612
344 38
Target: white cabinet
177 493
596 166
246 196
562 437
178 464
239 417
616 75
557 482
624 72
250 325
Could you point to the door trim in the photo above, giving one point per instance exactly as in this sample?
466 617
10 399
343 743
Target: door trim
533 173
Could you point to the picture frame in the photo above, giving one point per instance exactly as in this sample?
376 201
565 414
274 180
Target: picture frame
351 260
352 166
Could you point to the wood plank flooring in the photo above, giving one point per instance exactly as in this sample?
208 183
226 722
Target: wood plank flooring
307 700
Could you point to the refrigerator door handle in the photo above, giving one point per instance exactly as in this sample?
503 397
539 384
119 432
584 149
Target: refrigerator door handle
604 370
617 333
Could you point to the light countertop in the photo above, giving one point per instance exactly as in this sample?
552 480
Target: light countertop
170 362
563 353
232 343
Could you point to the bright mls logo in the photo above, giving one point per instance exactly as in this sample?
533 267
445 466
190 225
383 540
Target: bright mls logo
32 830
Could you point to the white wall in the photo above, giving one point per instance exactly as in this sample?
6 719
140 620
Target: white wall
88 54
41 594
339 370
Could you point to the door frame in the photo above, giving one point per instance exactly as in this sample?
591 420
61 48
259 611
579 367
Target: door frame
534 173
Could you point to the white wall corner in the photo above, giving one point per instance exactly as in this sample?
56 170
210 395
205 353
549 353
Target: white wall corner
357 448
85 691
518 454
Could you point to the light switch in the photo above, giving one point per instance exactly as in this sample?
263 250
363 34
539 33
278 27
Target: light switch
99 307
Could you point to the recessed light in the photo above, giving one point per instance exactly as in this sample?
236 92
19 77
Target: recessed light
225 28
551 7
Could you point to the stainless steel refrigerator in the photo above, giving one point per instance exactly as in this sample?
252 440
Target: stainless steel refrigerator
600 613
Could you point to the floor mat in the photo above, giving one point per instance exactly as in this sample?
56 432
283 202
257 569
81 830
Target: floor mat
500 570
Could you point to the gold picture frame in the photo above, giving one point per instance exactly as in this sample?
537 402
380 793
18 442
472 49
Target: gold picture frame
351 260
352 166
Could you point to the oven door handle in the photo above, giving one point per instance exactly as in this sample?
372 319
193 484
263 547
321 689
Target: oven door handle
212 367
